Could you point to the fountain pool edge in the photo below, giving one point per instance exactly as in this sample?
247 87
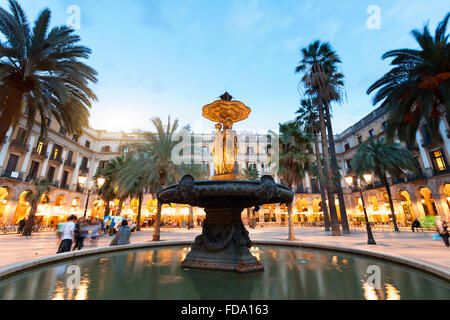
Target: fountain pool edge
423 266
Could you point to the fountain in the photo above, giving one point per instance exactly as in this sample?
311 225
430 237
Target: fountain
224 243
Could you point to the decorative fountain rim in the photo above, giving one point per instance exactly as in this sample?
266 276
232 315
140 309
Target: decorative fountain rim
28 266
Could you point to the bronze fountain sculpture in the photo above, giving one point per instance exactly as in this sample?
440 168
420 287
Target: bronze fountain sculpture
224 243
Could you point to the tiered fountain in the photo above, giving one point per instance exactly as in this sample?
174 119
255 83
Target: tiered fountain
224 243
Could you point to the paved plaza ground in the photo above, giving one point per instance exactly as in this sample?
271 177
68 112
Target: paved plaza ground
417 246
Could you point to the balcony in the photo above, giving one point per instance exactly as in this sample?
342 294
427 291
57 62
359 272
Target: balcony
30 178
429 142
12 175
441 172
84 168
64 186
69 163
20 145
56 159
42 153
79 189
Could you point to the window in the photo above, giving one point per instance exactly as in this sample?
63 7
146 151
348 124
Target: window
70 156
347 146
102 164
50 173
87 144
12 163
21 134
360 139
33 170
26 111
39 147
84 162
250 150
62 130
106 149
372 133
56 153
64 179
349 165
439 160
205 150
48 122
75 138
384 126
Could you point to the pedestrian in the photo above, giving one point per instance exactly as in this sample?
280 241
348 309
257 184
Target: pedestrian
441 227
67 235
59 231
80 234
123 235
95 230
111 227
21 225
108 225
416 225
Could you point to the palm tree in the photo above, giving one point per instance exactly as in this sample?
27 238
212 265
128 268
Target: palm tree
308 120
152 162
249 173
319 67
384 158
41 188
294 160
42 69
418 85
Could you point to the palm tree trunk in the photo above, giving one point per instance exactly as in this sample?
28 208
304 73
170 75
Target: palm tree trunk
119 210
138 228
326 217
337 180
191 218
31 216
335 230
107 208
157 230
391 204
291 236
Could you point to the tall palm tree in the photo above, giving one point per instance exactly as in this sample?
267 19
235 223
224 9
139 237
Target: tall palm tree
41 188
294 160
152 161
418 85
308 120
250 173
319 67
382 158
42 69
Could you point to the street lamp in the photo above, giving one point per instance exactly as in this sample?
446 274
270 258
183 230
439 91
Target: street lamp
82 181
368 179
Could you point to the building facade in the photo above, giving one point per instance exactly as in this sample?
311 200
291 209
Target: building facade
63 158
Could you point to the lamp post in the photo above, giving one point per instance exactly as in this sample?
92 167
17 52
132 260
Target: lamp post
82 181
368 179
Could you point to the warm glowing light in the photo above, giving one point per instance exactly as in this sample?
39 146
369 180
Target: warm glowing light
82 180
349 180
392 292
423 201
101 181
74 203
4 201
369 292
368 177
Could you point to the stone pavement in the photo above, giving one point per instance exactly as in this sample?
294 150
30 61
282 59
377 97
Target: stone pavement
417 246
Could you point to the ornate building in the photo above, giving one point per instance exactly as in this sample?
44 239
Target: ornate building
62 158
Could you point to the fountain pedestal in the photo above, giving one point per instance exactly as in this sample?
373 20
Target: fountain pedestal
224 243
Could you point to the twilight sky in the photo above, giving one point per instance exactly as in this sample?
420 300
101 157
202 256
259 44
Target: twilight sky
160 58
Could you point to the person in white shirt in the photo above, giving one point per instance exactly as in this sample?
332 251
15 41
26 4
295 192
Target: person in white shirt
67 235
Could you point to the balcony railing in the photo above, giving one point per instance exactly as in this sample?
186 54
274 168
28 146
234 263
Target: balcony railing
30 178
441 172
84 168
41 153
20 145
69 164
12 175
64 186
56 159
79 189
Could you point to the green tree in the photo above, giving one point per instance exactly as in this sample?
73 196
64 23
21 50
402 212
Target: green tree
42 69
41 188
294 160
382 158
418 85
249 173
308 120
322 82
152 164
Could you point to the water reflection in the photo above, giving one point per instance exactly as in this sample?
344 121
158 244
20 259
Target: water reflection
290 273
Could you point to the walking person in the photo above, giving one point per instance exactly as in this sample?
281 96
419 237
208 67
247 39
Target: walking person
80 234
59 231
21 225
68 235
123 235
416 225
442 229
111 227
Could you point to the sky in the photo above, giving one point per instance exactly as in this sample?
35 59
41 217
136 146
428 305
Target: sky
161 58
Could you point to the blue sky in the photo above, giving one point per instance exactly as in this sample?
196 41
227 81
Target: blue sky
160 58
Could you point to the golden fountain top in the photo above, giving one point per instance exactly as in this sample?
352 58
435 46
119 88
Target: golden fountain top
225 109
